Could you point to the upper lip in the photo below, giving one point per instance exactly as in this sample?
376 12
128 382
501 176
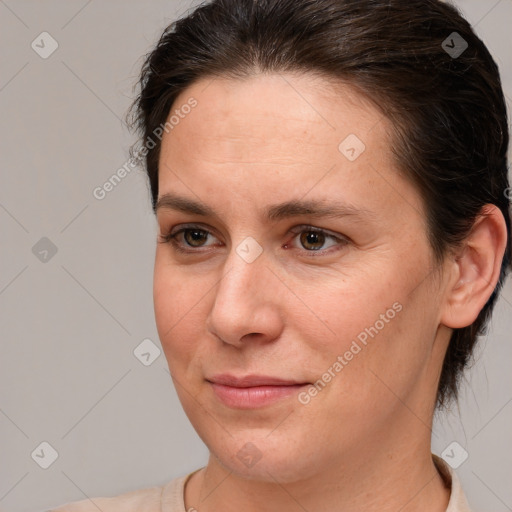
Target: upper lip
248 381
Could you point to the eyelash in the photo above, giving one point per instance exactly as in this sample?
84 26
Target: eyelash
172 238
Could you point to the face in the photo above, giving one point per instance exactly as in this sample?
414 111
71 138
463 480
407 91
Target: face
294 293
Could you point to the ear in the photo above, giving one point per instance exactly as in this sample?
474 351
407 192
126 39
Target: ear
476 269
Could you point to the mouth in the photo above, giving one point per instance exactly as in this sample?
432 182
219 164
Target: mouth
252 391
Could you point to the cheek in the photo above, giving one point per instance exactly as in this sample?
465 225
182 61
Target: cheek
384 355
178 303
367 323
357 306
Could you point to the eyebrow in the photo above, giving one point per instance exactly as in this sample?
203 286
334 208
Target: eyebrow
292 208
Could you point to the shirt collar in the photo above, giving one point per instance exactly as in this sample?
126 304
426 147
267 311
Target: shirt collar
458 502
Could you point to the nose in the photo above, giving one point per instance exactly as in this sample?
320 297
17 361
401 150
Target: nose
248 304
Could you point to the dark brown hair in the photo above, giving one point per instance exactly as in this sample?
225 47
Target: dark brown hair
410 58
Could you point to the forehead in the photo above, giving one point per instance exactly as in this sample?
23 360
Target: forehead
269 139
280 118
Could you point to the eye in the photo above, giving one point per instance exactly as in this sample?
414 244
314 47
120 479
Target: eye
188 239
191 237
315 239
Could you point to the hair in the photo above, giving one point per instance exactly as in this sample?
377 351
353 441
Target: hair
447 110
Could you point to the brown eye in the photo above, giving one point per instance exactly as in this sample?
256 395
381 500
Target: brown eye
316 242
195 237
188 239
312 240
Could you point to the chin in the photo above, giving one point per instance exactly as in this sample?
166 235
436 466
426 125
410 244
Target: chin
263 458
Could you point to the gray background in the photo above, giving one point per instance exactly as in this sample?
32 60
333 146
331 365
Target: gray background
70 324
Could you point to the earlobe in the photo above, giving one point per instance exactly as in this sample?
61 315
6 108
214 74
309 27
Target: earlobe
476 269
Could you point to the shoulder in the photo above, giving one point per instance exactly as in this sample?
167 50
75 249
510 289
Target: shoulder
170 498
143 500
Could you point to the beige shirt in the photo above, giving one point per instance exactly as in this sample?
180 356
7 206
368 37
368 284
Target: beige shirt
170 498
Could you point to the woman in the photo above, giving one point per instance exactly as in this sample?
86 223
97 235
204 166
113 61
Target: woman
330 184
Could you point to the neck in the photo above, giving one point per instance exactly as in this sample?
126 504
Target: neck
370 480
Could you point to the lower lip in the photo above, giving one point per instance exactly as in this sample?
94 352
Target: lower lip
250 398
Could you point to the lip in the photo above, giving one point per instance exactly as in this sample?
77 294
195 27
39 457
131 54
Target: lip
252 391
248 381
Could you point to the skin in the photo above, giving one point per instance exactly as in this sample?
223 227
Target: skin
363 442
